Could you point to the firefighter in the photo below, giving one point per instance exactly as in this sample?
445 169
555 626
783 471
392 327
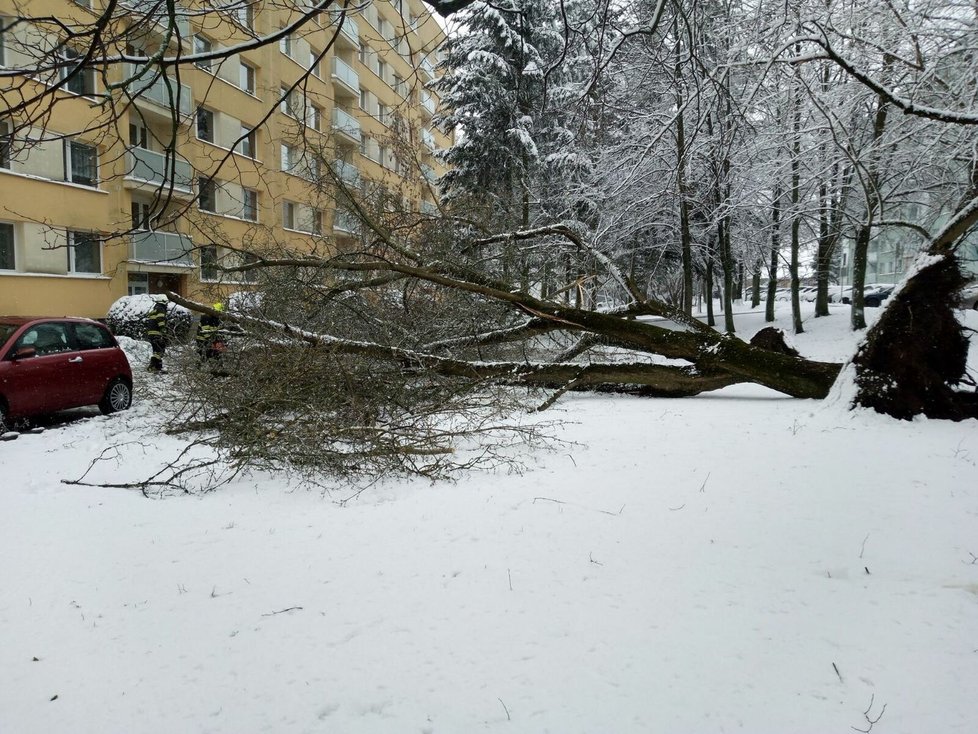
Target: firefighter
207 333
156 334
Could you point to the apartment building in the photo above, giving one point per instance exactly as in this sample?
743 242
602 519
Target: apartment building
131 181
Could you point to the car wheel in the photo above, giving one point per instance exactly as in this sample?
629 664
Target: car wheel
118 396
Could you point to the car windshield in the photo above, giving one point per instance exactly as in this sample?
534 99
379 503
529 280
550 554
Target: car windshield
5 331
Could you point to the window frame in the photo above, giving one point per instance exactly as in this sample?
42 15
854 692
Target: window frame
286 45
203 45
90 238
206 186
247 143
69 166
288 215
247 77
6 144
209 114
245 16
249 204
12 246
87 75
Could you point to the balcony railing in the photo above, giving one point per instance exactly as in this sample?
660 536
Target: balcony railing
164 248
344 73
428 139
348 173
344 122
429 174
427 68
155 90
350 30
152 167
429 209
428 103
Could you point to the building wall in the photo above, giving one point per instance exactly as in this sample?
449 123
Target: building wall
251 186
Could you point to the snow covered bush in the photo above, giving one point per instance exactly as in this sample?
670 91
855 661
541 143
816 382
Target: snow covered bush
127 317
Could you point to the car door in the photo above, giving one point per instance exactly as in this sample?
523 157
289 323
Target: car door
99 360
40 383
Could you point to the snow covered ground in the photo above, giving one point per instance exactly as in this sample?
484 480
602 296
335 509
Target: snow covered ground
734 562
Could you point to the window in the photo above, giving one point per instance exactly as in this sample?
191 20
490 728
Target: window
138 136
206 194
90 336
314 117
205 125
84 253
383 113
246 16
138 284
316 225
78 80
3 45
203 46
246 145
49 338
291 104
81 163
7 259
288 157
362 54
208 262
382 70
288 215
6 139
364 99
314 62
247 78
286 45
141 214
249 208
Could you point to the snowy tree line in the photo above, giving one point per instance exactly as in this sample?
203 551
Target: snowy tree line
706 144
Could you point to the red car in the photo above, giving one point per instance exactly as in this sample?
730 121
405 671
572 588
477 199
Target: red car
52 364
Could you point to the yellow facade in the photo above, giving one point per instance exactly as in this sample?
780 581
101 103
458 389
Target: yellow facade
225 158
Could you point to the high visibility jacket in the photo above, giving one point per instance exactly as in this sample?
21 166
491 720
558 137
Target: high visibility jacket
208 328
156 323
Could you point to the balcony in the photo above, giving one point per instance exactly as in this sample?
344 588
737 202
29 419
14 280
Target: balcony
428 103
428 139
346 223
429 209
349 33
427 68
149 170
429 174
347 172
163 248
346 125
155 93
345 78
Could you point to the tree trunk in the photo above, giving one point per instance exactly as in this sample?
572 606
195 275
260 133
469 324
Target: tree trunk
710 320
795 214
772 281
727 267
755 287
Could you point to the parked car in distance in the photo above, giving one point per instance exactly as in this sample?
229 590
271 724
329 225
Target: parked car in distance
840 296
874 296
52 364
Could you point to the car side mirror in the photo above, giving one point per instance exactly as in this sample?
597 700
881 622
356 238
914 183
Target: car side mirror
25 353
